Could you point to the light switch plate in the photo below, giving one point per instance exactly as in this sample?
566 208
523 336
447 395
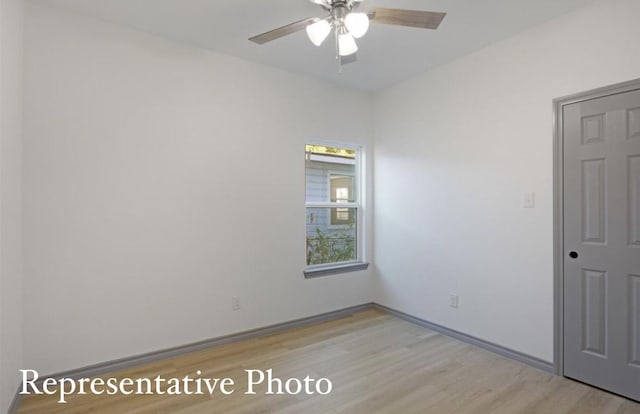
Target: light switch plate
529 199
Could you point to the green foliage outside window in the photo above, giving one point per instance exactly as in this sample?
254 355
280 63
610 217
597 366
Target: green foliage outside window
338 247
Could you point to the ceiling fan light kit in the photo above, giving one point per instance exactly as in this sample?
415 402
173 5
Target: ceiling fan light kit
357 24
318 32
346 44
348 25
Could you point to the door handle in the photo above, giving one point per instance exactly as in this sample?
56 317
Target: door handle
573 255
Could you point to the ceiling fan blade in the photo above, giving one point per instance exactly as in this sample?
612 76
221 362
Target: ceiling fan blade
283 31
345 60
410 18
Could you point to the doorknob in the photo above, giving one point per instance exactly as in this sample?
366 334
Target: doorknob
573 255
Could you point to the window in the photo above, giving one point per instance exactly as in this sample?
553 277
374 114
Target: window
333 209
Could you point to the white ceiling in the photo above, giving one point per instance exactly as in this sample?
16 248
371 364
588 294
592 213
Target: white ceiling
388 54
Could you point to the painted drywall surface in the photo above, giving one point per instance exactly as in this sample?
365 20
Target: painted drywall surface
11 18
456 148
160 181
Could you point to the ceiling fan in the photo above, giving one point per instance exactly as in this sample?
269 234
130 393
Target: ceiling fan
348 25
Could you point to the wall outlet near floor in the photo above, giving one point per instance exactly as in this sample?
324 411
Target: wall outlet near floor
453 300
235 303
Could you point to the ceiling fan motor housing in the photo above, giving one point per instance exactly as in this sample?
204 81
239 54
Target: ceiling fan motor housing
338 8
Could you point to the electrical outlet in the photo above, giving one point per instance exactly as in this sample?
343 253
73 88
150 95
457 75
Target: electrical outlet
235 303
453 300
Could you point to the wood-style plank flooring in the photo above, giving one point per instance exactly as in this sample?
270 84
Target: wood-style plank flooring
377 364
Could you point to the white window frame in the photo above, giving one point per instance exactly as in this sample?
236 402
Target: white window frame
359 262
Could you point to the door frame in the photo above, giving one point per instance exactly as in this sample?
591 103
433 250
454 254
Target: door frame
558 207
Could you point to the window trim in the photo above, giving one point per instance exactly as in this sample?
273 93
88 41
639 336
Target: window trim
335 268
360 263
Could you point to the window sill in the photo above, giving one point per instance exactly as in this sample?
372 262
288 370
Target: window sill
314 272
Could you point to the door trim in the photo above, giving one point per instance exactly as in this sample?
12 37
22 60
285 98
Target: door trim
558 207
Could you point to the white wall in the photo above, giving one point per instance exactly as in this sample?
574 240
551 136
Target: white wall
160 181
11 19
457 147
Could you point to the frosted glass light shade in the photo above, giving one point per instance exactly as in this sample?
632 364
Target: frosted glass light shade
318 32
357 23
346 45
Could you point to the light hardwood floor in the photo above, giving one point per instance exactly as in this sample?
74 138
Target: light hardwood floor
377 363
